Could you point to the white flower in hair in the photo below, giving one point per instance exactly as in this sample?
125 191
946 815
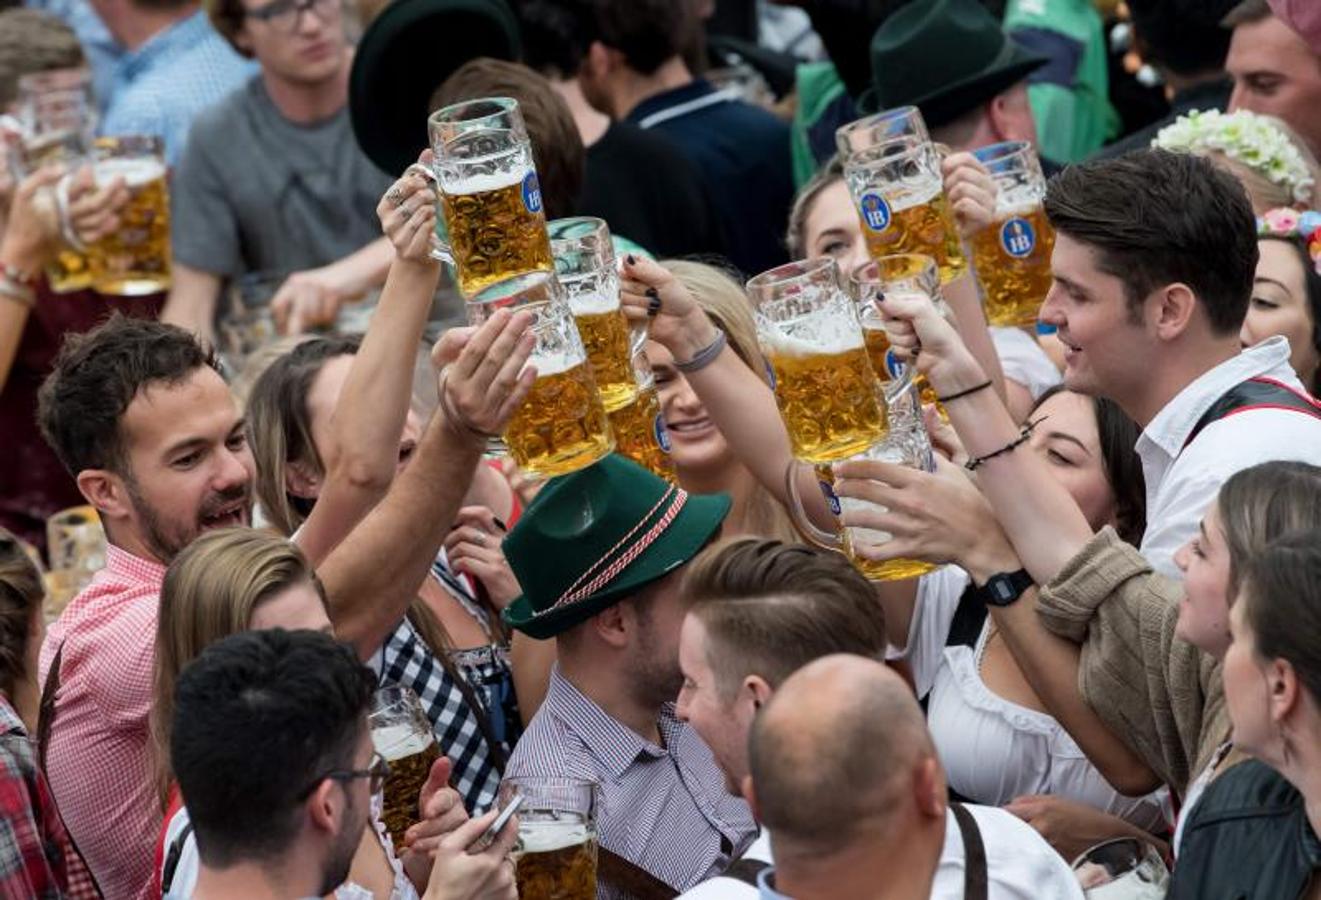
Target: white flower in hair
1248 139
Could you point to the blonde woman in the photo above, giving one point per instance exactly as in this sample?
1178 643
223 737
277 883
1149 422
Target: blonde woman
704 460
236 580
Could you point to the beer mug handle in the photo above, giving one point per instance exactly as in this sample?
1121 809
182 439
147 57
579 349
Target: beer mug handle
802 523
440 244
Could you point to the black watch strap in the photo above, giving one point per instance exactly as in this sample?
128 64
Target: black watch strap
1004 588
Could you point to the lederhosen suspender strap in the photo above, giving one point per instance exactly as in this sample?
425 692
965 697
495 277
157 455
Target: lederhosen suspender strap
1255 393
975 883
81 882
630 878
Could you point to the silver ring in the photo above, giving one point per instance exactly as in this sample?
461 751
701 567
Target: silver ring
480 538
395 196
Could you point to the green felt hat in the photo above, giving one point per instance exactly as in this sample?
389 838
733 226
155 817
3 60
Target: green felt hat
599 535
945 57
406 53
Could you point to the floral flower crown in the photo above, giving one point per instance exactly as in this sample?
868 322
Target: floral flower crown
1290 223
1246 138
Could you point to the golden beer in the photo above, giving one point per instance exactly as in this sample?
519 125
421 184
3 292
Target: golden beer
885 365
1012 259
68 270
410 755
562 425
606 338
640 434
889 570
555 861
496 228
924 225
830 402
135 259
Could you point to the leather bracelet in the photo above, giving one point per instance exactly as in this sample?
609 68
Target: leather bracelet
704 357
16 286
959 395
976 462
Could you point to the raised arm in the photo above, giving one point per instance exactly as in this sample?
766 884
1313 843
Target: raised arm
374 573
363 450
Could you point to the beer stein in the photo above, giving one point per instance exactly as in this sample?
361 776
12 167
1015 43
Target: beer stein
902 125
562 425
76 548
1122 869
639 427
897 188
555 857
585 267
895 275
402 735
899 448
808 328
57 115
490 199
1012 255
135 259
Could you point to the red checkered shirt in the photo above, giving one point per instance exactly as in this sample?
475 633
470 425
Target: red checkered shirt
98 759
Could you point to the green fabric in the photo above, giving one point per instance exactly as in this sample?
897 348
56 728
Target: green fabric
1072 123
818 85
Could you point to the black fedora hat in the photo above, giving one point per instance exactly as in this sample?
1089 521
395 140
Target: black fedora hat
405 54
945 57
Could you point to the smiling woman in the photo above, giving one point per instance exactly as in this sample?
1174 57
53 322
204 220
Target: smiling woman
1286 300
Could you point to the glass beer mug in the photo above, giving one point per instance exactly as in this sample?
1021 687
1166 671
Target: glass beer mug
490 198
555 857
402 735
639 427
562 425
135 259
902 125
585 267
1012 255
808 329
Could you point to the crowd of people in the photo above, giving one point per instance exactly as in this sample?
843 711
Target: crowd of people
1098 673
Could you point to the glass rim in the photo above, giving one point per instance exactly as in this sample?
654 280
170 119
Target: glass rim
516 284
56 79
867 123
872 157
596 224
396 692
928 266
791 273
443 116
140 144
1003 151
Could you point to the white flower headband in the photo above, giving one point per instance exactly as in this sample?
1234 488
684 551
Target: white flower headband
1248 139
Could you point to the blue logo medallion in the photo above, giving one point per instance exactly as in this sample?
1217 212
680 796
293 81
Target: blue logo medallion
875 211
1018 237
532 193
831 500
893 366
662 433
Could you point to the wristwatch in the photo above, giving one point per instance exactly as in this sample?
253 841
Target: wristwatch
1003 589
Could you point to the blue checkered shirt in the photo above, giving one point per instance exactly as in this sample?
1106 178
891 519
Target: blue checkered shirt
161 86
665 809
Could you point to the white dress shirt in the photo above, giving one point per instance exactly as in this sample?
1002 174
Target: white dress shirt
1182 482
1020 865
1023 361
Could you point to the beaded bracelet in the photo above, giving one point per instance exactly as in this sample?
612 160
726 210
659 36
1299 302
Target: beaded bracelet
1023 436
704 357
961 394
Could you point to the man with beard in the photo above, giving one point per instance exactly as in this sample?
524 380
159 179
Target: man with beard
600 553
140 416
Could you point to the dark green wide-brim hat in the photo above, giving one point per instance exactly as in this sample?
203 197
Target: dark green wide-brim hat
407 52
946 57
599 535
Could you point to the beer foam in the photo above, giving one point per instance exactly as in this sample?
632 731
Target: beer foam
554 363
398 741
545 836
811 336
1020 200
592 303
491 181
912 194
135 172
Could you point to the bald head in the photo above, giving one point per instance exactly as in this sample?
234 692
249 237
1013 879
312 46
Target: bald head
835 751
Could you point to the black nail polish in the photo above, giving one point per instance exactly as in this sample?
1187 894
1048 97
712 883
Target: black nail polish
653 294
498 524
630 260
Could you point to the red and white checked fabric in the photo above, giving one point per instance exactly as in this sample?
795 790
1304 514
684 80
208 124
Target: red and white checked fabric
98 761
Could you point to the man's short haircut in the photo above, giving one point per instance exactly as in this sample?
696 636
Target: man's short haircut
1156 218
647 32
769 608
1247 12
33 41
227 19
557 147
95 378
1184 36
556 34
259 718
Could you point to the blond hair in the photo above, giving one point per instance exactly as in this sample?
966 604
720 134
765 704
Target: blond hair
796 237
723 301
210 592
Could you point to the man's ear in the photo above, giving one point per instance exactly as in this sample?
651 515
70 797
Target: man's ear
929 788
106 492
324 806
1173 312
611 625
758 690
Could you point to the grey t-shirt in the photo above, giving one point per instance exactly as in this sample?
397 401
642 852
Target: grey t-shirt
254 192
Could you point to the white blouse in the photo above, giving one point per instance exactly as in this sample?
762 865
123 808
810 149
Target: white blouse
994 750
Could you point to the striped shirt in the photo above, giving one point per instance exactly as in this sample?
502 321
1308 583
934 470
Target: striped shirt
664 809
99 761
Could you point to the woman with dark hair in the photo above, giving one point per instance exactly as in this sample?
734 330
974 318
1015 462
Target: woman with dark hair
1286 293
